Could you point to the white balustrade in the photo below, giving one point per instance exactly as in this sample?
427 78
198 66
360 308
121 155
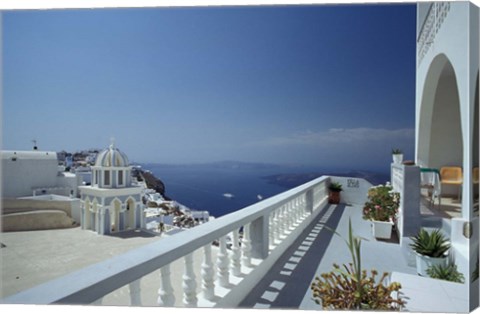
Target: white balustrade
246 247
235 264
276 226
270 221
208 271
189 283
165 293
222 263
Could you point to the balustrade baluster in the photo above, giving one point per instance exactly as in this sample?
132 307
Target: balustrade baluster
236 253
165 293
135 293
222 263
289 207
271 230
281 222
208 271
246 247
189 283
276 227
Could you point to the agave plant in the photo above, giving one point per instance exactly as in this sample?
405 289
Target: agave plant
448 272
432 244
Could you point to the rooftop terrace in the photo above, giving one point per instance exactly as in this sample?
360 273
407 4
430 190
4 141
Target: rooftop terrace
284 246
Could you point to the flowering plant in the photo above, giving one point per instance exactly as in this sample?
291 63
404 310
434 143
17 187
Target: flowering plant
382 204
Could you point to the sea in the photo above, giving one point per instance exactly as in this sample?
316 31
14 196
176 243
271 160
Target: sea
222 188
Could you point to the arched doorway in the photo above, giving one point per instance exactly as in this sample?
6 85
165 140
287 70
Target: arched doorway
130 214
115 215
87 215
440 139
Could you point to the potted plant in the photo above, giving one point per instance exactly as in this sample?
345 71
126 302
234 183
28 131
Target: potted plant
351 288
397 155
430 248
381 209
334 190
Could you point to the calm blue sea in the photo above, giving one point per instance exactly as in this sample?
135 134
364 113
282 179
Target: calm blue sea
201 187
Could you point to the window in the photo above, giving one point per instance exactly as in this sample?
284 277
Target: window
120 177
106 177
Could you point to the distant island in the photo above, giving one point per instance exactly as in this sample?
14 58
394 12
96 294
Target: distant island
291 180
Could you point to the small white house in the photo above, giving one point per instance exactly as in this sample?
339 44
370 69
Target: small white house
28 173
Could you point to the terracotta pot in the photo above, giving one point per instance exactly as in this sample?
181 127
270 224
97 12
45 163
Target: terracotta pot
334 197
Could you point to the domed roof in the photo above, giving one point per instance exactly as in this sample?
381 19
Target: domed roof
111 157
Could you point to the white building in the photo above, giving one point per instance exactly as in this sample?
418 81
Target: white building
112 203
447 132
29 173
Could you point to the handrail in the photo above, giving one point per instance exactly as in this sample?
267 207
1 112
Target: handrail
93 282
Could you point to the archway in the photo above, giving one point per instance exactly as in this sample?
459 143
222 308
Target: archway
94 212
115 215
130 213
440 139
87 215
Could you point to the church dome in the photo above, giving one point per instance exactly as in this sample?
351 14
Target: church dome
111 157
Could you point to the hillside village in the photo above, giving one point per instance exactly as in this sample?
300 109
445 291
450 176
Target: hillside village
51 195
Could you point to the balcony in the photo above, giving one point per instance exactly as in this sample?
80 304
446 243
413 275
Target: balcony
263 256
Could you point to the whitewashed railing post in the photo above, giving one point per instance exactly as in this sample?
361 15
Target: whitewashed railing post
222 263
271 230
281 220
291 214
189 283
166 296
208 285
246 247
259 237
276 225
135 293
309 204
235 264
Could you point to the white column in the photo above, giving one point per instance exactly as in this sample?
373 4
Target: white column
165 293
208 286
135 293
235 265
246 247
222 263
189 283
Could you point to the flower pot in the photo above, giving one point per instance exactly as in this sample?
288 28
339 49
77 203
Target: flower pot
424 262
397 158
334 197
382 229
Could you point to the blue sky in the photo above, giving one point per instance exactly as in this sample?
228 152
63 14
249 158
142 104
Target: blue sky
330 85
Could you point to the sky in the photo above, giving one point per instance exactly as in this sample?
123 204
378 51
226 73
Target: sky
326 85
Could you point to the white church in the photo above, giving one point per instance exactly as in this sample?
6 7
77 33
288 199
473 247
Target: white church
112 202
